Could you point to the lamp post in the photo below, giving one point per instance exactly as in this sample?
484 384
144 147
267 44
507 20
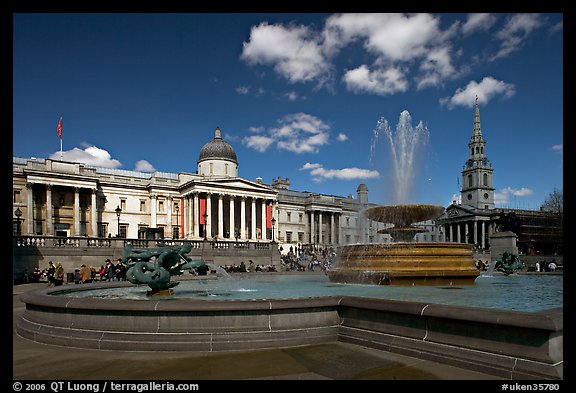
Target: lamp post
205 215
273 223
118 211
177 223
18 214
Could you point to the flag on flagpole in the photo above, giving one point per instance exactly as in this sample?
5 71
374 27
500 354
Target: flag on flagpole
60 129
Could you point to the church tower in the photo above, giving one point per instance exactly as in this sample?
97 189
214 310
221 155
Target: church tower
477 178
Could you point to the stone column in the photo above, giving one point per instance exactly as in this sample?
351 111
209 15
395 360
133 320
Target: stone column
312 229
451 233
466 233
220 217
277 226
169 209
320 237
232 229
196 219
153 209
332 240
30 208
475 232
339 229
306 228
49 226
209 212
483 229
243 218
263 218
76 211
458 240
253 219
93 212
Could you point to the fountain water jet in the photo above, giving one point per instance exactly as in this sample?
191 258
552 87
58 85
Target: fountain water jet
404 262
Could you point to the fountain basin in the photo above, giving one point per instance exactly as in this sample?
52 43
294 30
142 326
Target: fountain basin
405 263
498 342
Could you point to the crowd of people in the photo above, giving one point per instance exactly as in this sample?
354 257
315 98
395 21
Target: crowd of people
308 258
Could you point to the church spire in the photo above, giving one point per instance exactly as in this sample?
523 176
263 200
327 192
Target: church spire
477 131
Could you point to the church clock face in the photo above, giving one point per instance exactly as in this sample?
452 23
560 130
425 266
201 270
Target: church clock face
469 196
485 195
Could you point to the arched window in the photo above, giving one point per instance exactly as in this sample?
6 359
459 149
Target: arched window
485 179
469 180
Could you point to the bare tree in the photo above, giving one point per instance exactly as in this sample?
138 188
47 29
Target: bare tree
554 202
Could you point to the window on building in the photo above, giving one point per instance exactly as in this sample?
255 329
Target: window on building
123 204
142 231
347 239
175 230
160 206
123 230
288 217
469 180
16 198
347 221
102 230
300 217
300 237
371 239
142 206
485 179
288 237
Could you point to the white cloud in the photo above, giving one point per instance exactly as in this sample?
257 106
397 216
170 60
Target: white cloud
297 132
436 66
256 129
91 155
478 22
260 143
243 90
292 96
485 90
294 52
309 166
394 37
342 137
319 172
514 33
502 197
144 166
380 81
558 148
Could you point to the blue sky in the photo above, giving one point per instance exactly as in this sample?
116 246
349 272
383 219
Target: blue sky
297 95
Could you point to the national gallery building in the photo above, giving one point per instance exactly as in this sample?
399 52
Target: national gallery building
69 199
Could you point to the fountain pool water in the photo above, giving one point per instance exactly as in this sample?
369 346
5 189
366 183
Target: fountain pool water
529 293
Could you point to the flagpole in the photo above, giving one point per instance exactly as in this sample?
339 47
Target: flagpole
60 149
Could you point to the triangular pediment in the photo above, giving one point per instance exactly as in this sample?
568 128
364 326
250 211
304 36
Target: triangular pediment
229 185
454 211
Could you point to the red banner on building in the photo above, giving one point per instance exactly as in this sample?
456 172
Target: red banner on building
202 210
269 216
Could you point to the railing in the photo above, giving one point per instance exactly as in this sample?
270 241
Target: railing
95 242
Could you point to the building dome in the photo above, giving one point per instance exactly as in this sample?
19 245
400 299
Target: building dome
217 149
